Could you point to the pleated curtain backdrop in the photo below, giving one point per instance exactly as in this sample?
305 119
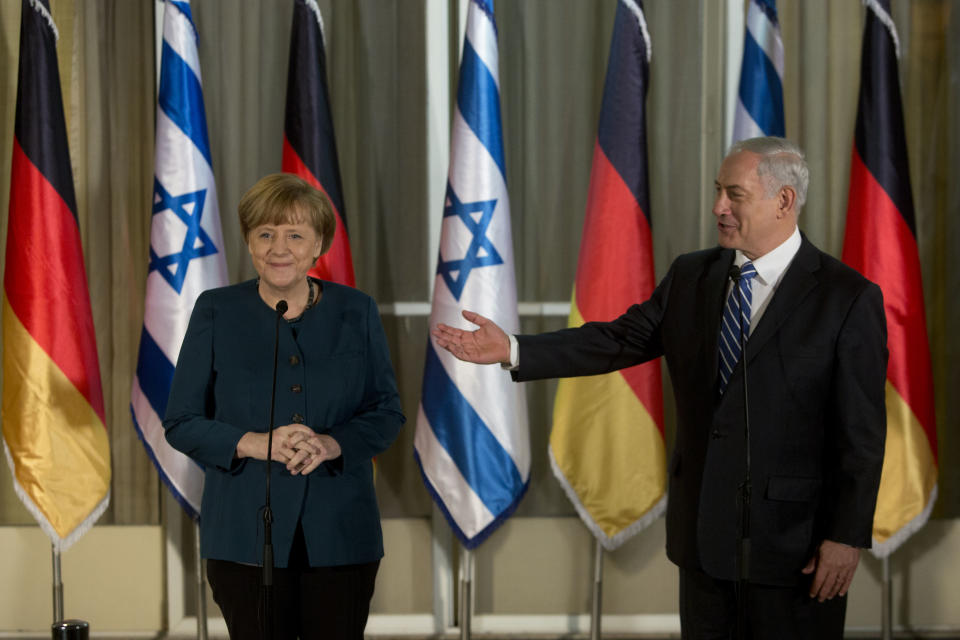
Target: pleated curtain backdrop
552 64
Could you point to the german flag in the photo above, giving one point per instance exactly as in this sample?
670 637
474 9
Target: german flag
53 414
606 445
309 146
881 243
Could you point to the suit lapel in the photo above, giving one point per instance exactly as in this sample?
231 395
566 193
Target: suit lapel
712 292
797 282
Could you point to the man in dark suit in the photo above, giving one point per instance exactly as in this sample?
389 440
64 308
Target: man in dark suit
816 364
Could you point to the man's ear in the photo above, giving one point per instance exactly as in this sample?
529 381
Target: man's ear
786 200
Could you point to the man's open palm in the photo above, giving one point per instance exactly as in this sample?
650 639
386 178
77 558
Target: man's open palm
486 345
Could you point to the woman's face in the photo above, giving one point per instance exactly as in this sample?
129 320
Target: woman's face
283 253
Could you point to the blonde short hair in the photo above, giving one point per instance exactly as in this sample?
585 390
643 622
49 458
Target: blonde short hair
284 198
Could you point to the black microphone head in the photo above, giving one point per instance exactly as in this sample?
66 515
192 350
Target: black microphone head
282 306
733 274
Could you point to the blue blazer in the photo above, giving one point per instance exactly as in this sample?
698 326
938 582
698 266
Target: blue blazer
334 375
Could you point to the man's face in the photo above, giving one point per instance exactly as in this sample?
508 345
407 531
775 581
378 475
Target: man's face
747 218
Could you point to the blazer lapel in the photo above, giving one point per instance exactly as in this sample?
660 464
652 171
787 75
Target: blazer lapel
712 292
797 282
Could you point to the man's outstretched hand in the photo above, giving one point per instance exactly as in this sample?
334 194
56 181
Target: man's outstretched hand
487 345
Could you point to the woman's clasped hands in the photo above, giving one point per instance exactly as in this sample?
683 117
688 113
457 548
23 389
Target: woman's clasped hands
297 446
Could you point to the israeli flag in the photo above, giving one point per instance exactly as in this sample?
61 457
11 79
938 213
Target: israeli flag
186 247
759 109
472 442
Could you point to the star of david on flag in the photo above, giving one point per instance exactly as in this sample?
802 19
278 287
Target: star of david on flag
188 208
185 242
480 252
472 442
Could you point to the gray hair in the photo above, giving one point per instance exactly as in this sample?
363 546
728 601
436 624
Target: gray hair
782 164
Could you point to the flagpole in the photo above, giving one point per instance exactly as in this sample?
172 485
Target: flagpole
57 586
201 588
443 583
597 590
886 605
466 573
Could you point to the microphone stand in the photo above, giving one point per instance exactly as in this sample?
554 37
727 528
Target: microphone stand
743 542
267 579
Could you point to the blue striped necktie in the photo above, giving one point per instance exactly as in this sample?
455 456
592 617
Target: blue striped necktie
730 325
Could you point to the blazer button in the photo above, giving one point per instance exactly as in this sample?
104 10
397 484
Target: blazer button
296 388
716 434
297 418
294 360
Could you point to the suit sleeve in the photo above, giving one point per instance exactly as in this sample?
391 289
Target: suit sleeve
597 347
189 425
378 418
855 450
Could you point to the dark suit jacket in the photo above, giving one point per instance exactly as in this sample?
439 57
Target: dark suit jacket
334 375
817 368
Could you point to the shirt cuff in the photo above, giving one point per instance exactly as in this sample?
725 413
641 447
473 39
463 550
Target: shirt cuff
514 355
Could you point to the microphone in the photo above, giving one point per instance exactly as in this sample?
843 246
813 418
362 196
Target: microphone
267 569
746 487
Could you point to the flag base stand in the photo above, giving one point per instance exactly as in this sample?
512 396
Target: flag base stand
70 630
597 591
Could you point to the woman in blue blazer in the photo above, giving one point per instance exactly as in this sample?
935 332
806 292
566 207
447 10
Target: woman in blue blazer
338 407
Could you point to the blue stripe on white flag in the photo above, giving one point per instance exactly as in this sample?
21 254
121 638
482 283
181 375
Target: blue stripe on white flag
472 441
469 540
186 247
485 465
181 98
155 373
478 99
192 510
761 90
184 7
487 7
767 8
759 109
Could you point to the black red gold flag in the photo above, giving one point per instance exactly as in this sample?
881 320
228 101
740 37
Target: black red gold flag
881 242
54 430
309 145
606 444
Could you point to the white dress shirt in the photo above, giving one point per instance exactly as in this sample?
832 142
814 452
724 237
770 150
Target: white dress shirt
770 269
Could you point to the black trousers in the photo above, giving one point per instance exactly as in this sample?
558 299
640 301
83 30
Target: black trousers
309 603
708 611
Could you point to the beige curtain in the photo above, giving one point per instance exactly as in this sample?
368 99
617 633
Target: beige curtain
553 56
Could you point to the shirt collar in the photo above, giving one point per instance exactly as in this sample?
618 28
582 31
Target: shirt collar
772 265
